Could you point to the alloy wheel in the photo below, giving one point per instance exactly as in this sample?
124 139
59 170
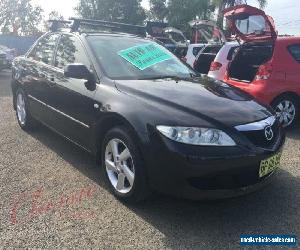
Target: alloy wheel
119 166
286 112
21 109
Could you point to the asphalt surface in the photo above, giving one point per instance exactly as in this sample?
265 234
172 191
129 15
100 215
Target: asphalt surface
52 196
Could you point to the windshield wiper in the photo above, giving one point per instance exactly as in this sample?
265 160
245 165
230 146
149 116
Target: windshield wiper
176 78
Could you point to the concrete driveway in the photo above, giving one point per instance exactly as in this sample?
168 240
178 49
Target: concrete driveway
52 196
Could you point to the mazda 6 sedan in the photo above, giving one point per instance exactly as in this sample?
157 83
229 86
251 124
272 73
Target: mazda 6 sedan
153 124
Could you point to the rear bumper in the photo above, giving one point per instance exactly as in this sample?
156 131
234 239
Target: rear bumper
194 173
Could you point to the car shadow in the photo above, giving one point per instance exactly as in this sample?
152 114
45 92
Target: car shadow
219 224
5 78
185 224
75 156
294 133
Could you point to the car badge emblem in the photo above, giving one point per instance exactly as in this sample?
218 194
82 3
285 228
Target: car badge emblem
269 133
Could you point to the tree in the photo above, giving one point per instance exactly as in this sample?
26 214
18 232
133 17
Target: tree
53 15
19 17
183 11
158 10
127 11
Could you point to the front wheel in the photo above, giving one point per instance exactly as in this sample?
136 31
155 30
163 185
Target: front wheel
287 110
124 167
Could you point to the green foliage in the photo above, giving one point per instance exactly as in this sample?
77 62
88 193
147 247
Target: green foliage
19 17
183 11
158 10
55 15
127 11
229 3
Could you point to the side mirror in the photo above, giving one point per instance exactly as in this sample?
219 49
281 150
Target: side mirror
78 71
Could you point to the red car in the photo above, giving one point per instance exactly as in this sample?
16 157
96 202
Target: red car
265 66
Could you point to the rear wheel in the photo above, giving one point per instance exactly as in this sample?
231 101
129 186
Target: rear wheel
24 118
287 110
124 168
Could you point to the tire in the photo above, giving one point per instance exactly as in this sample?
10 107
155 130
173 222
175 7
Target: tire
287 110
126 178
25 120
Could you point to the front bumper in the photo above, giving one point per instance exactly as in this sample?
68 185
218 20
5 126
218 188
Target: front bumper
195 172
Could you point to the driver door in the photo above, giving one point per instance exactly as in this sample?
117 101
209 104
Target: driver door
71 101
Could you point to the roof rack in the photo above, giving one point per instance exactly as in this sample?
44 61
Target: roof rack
105 25
56 25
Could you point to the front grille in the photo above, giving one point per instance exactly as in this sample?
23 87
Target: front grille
258 137
256 132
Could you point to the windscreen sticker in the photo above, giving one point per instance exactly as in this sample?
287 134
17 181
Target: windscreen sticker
144 56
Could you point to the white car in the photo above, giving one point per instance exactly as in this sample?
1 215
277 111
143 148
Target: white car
214 58
193 50
219 66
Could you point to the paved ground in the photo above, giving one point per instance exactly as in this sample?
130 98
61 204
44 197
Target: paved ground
52 196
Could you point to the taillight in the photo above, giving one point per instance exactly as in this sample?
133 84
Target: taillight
215 66
264 71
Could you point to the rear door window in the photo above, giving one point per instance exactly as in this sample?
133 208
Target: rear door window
196 50
44 49
211 50
295 51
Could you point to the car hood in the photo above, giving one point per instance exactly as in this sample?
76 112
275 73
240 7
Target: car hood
211 100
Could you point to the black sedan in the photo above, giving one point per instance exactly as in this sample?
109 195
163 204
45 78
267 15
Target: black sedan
150 120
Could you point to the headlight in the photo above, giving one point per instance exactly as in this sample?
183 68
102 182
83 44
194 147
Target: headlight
197 136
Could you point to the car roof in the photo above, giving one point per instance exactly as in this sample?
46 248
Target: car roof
113 34
101 33
288 39
197 45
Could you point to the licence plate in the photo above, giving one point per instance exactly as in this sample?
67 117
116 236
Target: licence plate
269 165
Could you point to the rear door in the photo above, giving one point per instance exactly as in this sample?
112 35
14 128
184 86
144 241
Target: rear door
71 101
206 57
292 68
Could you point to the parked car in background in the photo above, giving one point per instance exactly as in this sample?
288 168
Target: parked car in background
215 38
205 57
192 52
169 37
219 66
6 57
265 66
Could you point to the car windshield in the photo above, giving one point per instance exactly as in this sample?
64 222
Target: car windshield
127 58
